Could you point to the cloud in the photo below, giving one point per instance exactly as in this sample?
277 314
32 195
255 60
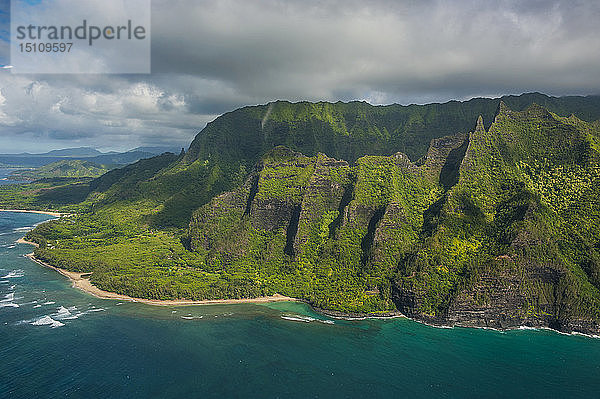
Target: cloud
128 115
318 50
209 57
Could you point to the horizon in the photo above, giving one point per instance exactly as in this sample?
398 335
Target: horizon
100 150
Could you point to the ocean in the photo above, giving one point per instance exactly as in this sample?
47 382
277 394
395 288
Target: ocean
56 341
4 173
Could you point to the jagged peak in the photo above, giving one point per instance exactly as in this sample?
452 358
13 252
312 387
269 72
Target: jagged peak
480 127
502 109
537 110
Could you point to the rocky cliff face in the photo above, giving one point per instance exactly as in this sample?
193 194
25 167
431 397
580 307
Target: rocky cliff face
465 236
502 255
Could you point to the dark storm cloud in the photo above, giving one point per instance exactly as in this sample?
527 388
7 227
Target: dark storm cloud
402 51
209 57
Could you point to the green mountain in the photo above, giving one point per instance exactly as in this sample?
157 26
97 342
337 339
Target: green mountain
496 228
223 153
67 168
481 213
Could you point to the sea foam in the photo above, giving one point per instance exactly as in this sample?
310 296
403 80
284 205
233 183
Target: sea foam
96 310
304 319
190 317
22 229
8 301
65 314
47 321
14 274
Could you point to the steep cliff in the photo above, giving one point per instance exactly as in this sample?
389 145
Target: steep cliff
468 235
504 251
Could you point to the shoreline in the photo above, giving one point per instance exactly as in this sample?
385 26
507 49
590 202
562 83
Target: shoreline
79 281
55 214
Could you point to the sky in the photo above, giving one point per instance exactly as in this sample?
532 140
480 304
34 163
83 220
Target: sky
211 57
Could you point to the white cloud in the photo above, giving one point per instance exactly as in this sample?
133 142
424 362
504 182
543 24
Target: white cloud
46 109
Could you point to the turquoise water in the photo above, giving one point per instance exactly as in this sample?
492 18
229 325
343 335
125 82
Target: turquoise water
56 341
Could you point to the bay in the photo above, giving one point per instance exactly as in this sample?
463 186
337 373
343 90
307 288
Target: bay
56 341
4 173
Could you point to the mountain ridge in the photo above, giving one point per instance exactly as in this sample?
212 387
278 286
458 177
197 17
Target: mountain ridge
496 226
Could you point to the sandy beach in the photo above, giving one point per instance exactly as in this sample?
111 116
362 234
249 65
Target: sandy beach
22 240
81 281
56 214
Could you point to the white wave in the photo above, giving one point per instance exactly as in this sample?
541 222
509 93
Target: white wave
15 274
4 281
47 321
575 333
22 229
304 319
190 317
49 303
37 306
65 314
11 246
8 301
96 310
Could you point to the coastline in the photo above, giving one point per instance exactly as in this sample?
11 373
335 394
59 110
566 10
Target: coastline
55 214
81 281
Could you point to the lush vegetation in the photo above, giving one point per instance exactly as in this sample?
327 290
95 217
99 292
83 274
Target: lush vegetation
504 219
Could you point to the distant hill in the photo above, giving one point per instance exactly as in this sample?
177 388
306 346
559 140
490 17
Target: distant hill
83 153
74 152
65 168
